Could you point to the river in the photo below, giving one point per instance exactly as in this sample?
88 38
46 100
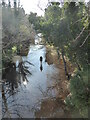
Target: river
23 97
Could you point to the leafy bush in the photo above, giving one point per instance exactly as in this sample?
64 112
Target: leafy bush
80 98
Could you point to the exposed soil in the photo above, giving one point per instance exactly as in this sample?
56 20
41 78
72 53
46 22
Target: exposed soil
62 83
52 108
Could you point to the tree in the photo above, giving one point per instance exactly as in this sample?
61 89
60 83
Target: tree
35 20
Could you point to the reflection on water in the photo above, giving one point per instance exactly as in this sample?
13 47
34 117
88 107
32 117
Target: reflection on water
22 92
41 67
13 77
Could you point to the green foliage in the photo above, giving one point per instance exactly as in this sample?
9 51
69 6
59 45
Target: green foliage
35 20
80 97
80 87
14 49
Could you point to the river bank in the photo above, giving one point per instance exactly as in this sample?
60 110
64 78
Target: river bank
52 58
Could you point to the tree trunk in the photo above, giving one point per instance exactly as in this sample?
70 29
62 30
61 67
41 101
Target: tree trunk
65 65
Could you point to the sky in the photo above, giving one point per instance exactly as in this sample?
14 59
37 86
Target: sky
32 5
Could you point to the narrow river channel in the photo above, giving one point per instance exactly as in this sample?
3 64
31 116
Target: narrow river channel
26 97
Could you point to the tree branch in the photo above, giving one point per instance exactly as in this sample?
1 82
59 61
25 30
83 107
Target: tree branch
80 34
85 40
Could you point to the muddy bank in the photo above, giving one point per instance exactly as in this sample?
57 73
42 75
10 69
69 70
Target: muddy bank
52 108
62 84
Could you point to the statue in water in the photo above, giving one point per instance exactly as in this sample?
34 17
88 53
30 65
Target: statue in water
41 59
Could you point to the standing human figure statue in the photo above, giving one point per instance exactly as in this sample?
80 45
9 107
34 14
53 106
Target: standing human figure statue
41 59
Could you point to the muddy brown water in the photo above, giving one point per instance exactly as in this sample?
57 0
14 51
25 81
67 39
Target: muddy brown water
22 98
